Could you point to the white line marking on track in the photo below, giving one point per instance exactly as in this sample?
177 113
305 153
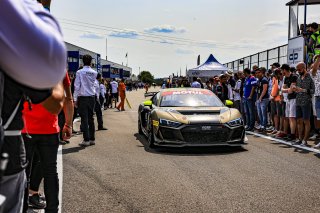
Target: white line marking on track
60 176
284 142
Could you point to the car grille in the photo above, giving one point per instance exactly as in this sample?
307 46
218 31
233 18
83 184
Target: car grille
195 135
169 134
237 133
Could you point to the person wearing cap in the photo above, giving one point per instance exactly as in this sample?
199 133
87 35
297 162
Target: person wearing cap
230 83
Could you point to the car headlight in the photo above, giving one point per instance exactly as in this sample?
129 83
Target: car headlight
235 122
168 123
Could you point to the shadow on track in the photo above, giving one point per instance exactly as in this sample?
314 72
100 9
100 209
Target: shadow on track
70 150
188 151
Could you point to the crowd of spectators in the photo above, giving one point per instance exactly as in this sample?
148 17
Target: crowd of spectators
283 102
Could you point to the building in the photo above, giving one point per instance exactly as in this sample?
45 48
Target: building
108 69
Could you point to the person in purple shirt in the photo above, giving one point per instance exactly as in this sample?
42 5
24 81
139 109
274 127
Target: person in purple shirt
33 61
195 83
248 98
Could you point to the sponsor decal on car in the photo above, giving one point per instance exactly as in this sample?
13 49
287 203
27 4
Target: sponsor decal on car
187 92
155 123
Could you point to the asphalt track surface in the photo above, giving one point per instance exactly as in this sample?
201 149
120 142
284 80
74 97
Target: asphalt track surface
119 174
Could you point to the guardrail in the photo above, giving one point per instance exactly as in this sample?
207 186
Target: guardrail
261 59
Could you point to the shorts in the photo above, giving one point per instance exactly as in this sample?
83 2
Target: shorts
314 106
317 106
304 111
280 109
291 111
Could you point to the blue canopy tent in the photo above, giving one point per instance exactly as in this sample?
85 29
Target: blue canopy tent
209 69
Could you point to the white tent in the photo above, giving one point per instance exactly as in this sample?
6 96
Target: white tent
209 69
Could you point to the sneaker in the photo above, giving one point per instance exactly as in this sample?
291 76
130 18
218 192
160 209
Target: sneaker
258 127
290 137
304 143
84 143
314 137
297 142
92 142
281 135
102 128
274 132
270 128
36 202
317 146
249 129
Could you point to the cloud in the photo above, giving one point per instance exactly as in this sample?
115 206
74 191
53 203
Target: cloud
91 36
184 51
271 25
163 41
165 29
124 34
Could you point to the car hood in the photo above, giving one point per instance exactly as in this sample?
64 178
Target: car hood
195 115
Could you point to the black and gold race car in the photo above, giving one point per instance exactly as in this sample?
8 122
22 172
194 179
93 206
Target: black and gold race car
180 117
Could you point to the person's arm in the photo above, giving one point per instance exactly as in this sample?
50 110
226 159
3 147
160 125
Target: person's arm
252 92
37 57
54 103
264 91
68 110
77 86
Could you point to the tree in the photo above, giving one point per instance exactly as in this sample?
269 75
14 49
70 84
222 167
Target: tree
146 77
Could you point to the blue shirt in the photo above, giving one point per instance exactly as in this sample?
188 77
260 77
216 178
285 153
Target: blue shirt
196 84
248 84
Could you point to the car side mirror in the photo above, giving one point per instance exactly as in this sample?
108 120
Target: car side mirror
148 103
229 103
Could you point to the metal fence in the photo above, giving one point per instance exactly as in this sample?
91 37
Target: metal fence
261 59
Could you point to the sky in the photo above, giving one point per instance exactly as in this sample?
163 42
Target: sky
166 36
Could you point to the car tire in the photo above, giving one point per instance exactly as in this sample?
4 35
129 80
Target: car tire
151 137
139 127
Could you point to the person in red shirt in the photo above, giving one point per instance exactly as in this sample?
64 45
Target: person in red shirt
41 136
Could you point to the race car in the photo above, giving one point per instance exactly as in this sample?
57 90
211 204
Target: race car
180 117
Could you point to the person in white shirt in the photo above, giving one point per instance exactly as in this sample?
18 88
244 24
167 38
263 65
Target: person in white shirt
103 92
114 91
236 90
85 98
195 83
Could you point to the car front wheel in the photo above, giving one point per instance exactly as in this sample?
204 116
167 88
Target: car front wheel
139 127
151 137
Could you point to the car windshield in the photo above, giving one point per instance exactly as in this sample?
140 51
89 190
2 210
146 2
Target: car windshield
189 98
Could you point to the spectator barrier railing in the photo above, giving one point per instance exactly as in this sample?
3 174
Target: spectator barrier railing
261 59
